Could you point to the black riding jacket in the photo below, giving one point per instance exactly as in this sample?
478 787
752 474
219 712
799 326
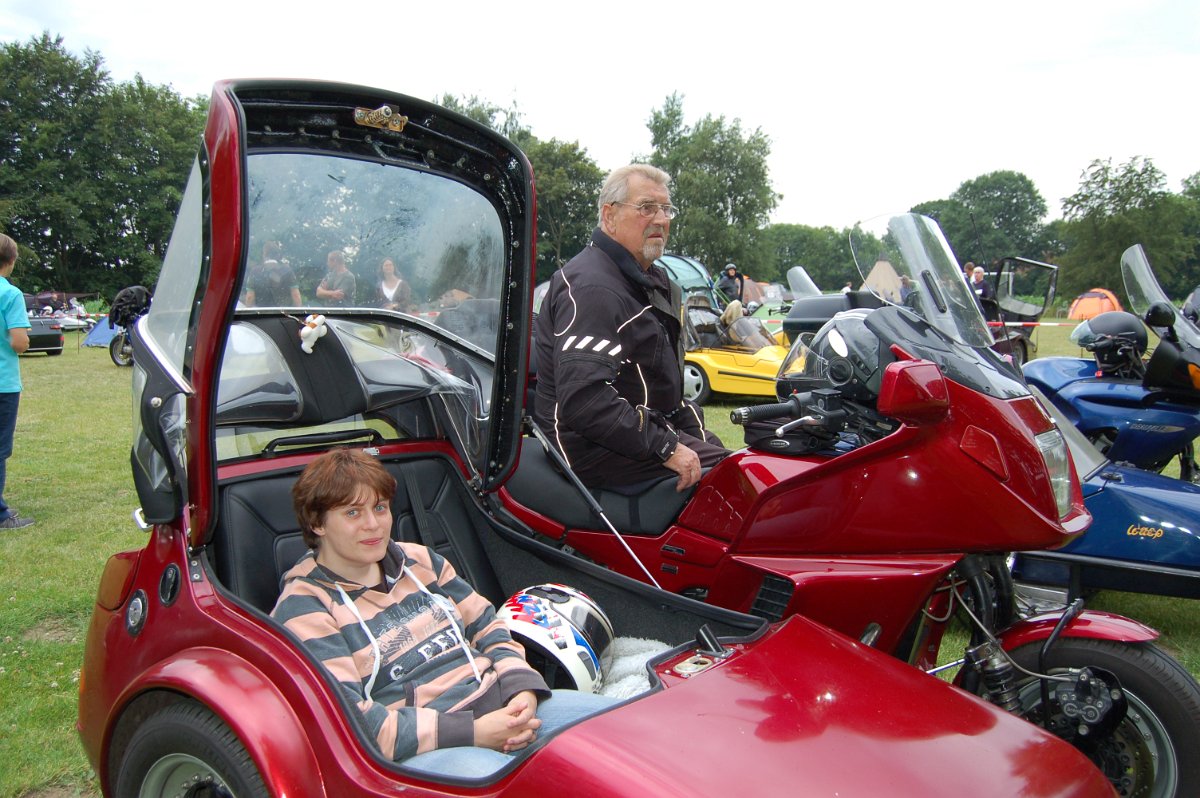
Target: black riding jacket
609 358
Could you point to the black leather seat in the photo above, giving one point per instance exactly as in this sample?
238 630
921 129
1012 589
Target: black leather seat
258 538
647 509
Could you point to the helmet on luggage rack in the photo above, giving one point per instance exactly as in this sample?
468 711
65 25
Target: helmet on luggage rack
567 637
1116 339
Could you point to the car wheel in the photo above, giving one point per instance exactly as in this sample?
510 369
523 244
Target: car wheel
54 352
695 384
186 750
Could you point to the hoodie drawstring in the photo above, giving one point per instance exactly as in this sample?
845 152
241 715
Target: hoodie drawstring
374 643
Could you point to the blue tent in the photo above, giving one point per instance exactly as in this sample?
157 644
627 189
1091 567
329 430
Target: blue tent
100 334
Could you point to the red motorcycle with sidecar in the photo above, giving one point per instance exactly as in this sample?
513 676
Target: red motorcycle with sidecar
880 497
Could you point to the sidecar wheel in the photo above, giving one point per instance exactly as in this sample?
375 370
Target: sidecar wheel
695 384
1155 751
186 750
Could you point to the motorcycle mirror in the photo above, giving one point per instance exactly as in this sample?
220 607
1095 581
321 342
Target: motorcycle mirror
913 391
1160 314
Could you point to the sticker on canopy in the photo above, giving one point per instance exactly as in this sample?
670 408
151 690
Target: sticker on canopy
385 117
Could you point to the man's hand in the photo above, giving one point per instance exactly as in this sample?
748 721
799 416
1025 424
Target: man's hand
511 728
686 463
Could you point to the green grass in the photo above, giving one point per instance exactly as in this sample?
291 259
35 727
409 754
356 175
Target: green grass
70 471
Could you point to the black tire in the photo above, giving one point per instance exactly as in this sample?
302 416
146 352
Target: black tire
695 384
54 352
1155 751
183 749
1188 470
120 350
1019 355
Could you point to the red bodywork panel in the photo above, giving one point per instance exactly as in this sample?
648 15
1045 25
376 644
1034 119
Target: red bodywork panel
807 696
915 491
1091 624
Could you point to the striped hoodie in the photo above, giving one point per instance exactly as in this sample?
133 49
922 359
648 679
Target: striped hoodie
399 650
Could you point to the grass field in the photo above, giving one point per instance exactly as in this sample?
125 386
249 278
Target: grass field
70 471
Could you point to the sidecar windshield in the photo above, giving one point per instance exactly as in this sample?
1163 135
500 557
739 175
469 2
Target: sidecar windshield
404 268
749 334
1144 291
905 260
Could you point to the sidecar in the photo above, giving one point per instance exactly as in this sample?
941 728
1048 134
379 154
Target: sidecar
188 686
1144 532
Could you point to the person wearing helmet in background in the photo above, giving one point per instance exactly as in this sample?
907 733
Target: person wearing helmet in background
732 284
439 681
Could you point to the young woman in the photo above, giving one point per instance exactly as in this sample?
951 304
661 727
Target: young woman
439 681
394 293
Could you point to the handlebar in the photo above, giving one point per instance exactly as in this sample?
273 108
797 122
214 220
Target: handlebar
793 407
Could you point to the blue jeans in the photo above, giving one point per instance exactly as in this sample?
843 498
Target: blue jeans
563 707
8 425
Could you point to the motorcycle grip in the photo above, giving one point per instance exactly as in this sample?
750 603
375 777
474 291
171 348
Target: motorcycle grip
791 408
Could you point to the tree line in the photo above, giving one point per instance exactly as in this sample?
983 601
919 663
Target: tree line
92 170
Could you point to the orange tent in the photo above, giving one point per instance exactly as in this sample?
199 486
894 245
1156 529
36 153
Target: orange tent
1092 302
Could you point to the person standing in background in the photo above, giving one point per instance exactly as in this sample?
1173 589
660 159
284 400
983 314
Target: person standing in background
337 288
732 283
13 342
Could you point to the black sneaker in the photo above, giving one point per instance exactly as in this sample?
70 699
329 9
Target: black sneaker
15 521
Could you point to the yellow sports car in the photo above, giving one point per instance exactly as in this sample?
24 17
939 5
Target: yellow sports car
728 353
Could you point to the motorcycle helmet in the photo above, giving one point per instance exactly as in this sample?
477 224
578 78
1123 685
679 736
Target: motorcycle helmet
567 637
1115 338
843 354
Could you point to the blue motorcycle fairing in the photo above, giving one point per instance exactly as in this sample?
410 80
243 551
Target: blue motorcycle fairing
1149 430
1141 516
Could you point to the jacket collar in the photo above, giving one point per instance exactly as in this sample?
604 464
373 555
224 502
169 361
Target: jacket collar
628 265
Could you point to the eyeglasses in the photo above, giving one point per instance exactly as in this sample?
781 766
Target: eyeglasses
649 210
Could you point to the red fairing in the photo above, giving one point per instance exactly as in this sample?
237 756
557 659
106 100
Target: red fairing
916 490
224 163
823 726
1091 624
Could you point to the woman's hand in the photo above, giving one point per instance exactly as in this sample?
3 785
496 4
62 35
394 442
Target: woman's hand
510 728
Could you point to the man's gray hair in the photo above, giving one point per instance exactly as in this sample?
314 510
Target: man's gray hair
616 185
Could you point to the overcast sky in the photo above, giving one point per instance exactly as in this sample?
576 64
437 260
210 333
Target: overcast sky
870 107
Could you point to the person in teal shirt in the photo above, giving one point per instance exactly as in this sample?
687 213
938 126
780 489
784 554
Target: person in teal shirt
13 341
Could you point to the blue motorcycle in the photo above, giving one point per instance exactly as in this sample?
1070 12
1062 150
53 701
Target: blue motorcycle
1142 412
1144 537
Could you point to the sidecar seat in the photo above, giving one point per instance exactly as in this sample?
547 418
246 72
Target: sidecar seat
647 508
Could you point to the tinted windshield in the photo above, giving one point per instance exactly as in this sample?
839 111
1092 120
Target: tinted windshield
1144 290
905 260
800 283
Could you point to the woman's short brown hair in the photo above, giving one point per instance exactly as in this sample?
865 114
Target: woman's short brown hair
336 479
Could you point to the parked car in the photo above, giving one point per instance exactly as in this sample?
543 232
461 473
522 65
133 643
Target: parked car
189 687
45 332
727 352
692 277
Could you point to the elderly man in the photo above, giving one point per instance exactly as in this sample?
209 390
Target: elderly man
979 284
610 386
337 287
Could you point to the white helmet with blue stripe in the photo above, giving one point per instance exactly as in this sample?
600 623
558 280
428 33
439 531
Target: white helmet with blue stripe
567 637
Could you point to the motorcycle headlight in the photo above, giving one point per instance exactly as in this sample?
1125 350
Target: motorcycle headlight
1054 454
